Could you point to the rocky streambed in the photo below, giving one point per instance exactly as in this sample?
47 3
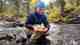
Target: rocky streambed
59 34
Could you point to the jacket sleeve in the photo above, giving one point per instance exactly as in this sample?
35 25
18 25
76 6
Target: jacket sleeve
29 22
46 24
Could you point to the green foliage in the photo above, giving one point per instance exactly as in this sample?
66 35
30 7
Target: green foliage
54 15
67 19
70 7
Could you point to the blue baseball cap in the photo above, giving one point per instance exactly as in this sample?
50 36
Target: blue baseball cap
40 5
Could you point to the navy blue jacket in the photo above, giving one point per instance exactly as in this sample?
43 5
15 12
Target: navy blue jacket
36 19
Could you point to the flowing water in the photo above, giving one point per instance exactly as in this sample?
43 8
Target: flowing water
59 34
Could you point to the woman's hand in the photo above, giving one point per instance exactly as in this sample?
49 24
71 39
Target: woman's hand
46 29
40 29
35 29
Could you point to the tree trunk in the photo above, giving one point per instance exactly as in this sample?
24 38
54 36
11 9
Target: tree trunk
78 2
1 6
28 7
62 7
17 7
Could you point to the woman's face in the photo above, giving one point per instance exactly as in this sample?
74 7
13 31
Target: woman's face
40 10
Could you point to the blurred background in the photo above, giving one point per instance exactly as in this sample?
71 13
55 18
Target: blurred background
62 11
14 12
